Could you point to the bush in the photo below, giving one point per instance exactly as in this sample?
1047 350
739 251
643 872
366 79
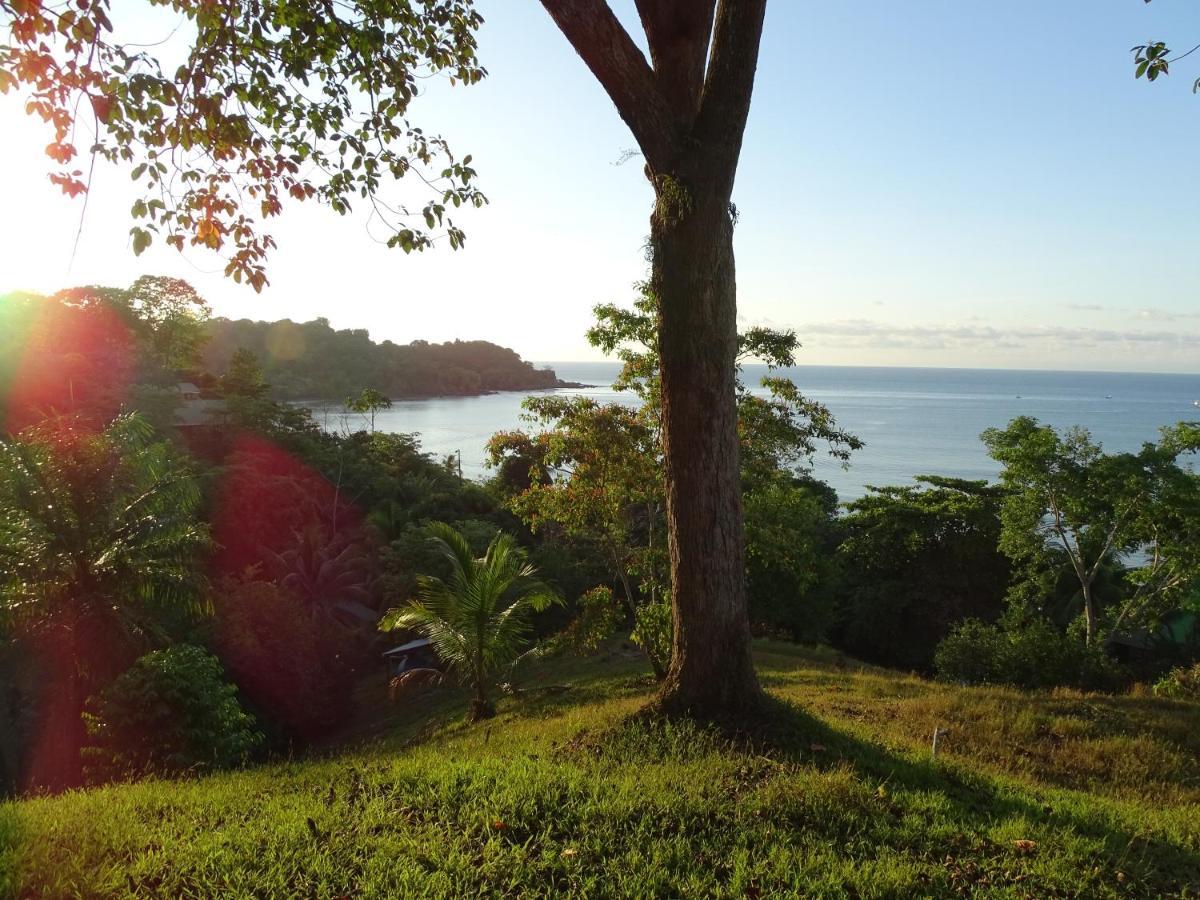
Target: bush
1182 683
652 631
969 654
294 674
1036 655
598 615
170 712
791 544
916 561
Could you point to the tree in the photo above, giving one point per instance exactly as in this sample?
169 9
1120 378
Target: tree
1065 496
292 670
595 471
99 548
596 478
370 401
171 712
478 618
916 560
791 556
273 101
244 377
95 351
74 353
245 391
324 575
687 109
779 428
175 317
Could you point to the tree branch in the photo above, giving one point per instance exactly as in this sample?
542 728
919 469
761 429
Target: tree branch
610 53
733 61
679 32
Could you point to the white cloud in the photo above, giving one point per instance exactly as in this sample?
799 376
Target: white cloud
1154 314
871 334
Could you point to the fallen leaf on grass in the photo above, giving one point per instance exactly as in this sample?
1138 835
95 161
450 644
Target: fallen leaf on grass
1025 846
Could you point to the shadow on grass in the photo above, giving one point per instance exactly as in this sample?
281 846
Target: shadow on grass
1141 861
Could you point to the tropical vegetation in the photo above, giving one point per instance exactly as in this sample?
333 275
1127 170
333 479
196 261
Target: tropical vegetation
477 618
276 546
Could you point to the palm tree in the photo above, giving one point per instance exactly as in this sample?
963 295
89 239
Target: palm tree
326 578
478 619
99 543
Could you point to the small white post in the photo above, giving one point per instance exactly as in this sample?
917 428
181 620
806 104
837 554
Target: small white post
938 734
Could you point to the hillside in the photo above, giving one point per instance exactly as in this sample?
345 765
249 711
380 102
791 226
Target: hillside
313 361
1033 795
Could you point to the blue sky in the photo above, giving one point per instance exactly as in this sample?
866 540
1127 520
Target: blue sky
923 183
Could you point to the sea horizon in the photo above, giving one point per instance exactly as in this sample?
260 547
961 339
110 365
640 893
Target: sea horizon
617 363
913 420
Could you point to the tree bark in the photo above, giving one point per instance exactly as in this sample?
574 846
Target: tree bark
1089 612
54 755
711 673
688 113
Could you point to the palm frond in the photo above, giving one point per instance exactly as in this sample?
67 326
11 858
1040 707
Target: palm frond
478 619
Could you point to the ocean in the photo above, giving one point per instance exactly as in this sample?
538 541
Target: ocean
913 421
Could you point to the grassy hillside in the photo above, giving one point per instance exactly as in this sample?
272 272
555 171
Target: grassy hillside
1032 796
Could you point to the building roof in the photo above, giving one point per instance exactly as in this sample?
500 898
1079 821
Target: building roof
357 610
1177 627
404 648
200 412
186 387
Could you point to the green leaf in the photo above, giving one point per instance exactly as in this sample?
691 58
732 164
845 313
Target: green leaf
141 240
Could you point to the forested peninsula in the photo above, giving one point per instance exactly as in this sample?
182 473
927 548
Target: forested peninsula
314 361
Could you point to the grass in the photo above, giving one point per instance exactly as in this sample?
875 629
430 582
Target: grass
1032 795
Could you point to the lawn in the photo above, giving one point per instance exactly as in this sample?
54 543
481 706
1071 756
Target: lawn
1032 795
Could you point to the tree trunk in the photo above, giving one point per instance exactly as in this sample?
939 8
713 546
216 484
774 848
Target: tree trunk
688 113
481 707
54 754
631 605
1089 612
711 673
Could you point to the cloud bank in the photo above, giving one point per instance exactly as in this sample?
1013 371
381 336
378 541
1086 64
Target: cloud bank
875 335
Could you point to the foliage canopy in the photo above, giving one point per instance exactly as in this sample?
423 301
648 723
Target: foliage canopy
272 100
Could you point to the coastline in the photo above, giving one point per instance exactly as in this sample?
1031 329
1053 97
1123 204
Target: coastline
407 398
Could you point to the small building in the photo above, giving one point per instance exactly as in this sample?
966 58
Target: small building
1178 630
188 391
202 414
353 614
418 654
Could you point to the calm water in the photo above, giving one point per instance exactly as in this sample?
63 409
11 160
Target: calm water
914 421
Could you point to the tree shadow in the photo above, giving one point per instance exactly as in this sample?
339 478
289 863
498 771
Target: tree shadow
978 801
1133 861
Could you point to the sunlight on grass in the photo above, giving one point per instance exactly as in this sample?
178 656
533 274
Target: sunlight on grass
1035 795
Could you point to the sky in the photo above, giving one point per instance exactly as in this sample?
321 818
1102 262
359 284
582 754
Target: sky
926 183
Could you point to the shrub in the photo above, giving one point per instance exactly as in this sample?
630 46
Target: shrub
598 615
791 544
916 561
1182 683
1035 655
969 654
652 631
294 674
171 711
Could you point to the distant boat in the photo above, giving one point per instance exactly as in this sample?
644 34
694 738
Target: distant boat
1108 396
1196 403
